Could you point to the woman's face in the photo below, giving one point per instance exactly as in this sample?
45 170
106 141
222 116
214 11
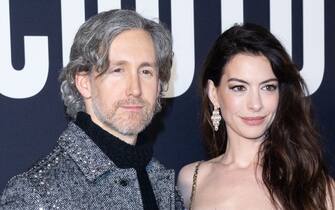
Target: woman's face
247 95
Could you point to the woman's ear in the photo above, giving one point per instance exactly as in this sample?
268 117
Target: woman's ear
83 84
212 93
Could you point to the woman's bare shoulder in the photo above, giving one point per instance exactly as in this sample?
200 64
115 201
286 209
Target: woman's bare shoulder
186 174
185 181
331 195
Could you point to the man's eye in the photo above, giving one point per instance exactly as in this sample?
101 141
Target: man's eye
147 72
118 70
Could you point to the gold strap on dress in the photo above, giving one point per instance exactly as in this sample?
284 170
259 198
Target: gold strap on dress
194 183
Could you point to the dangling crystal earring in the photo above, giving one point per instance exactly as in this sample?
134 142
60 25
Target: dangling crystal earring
216 118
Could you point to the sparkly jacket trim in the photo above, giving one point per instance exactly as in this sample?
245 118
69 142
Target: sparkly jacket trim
78 175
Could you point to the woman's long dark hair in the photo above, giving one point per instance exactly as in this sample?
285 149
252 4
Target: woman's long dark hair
294 171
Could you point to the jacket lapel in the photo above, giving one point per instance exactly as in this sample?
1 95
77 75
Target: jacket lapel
163 183
85 153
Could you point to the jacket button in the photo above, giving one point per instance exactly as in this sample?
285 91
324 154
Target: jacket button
123 182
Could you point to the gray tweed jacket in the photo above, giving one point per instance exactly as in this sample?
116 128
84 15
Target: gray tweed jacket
78 175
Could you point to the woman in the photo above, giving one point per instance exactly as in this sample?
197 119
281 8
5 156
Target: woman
265 152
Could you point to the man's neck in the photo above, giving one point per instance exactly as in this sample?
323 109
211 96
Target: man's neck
129 139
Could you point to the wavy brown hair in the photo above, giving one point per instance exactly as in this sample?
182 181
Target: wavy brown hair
294 171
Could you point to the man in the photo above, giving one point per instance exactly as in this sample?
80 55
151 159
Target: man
119 65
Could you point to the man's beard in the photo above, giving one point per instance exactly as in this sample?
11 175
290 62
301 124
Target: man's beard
126 122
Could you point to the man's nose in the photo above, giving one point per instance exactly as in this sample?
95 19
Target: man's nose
134 85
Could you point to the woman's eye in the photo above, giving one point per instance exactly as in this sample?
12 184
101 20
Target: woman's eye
270 87
238 88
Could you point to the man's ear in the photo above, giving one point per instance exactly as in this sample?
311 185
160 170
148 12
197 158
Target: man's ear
83 84
212 93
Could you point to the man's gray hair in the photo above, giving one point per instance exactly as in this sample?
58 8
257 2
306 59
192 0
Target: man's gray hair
89 51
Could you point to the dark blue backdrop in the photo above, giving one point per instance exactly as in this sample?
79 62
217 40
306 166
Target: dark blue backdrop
30 126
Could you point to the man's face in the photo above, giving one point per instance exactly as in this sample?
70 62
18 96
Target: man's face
123 99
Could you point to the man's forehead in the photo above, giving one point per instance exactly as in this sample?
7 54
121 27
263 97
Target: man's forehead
116 62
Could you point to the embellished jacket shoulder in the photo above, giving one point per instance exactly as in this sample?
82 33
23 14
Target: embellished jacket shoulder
78 175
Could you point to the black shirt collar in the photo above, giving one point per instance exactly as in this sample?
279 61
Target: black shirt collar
124 155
